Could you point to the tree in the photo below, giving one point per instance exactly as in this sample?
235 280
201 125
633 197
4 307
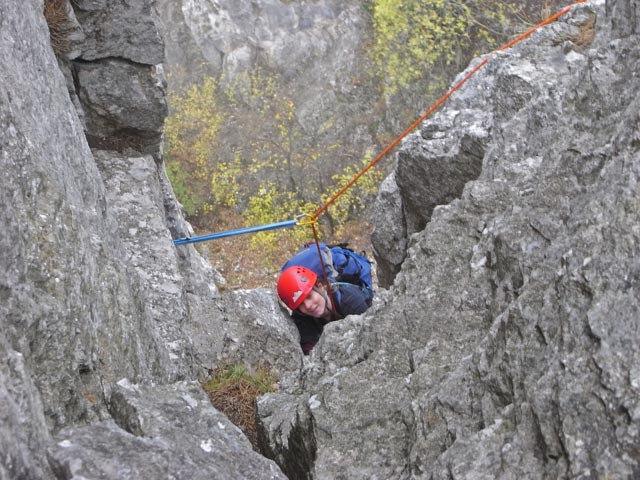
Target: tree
414 39
191 140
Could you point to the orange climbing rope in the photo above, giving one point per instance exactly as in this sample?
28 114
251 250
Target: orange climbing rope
436 105
311 219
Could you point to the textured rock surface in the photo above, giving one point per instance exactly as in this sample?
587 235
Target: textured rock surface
232 35
93 294
64 292
24 435
114 68
506 348
160 432
317 49
510 346
390 232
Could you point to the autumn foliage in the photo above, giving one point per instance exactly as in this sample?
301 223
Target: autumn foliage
237 155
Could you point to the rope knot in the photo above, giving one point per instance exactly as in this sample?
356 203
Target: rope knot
307 220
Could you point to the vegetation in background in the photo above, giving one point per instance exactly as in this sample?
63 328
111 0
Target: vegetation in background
191 144
237 155
275 173
418 40
233 390
272 204
353 203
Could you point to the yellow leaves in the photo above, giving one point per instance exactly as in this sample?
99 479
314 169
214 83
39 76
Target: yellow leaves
225 185
358 197
191 140
193 118
412 36
274 171
272 204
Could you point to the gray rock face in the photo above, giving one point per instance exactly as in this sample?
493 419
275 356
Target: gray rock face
316 48
123 105
24 435
114 68
93 294
390 233
120 29
160 432
58 252
231 34
508 345
506 348
259 332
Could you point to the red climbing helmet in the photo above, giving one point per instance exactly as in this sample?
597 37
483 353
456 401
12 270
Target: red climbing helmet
294 285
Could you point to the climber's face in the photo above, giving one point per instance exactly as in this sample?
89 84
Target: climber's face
314 305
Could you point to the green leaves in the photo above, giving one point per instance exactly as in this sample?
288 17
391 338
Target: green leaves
353 203
272 204
191 138
415 37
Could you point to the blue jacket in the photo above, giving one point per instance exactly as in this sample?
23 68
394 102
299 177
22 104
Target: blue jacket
353 300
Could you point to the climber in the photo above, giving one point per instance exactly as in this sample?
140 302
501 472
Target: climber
311 306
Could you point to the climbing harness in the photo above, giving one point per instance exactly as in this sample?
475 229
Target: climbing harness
311 219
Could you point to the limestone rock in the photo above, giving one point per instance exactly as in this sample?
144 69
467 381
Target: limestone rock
93 289
510 346
390 233
115 75
160 432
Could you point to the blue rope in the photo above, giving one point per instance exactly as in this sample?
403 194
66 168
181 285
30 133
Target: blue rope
231 233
